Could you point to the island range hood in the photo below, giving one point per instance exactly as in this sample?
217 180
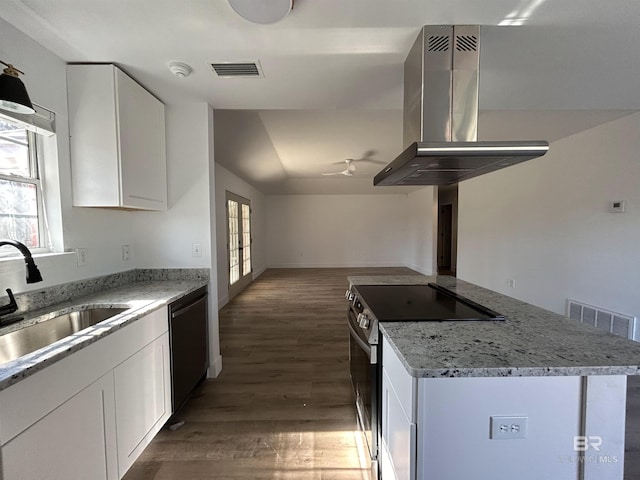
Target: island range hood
441 76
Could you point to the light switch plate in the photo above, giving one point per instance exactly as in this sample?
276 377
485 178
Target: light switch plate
508 427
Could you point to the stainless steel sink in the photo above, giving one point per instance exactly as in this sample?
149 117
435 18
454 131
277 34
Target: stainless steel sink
29 339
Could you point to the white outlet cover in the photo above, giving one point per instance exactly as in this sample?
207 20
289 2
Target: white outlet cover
82 256
508 427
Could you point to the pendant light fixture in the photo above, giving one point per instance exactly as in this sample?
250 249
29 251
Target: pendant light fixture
13 94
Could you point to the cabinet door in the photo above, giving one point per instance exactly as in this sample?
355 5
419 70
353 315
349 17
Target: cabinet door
398 460
142 146
70 443
143 399
93 135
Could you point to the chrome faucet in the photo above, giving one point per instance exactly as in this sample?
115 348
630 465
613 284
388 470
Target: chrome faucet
33 274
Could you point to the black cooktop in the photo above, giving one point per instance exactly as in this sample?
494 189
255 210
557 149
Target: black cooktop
431 302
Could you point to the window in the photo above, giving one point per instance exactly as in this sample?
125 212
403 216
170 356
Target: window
21 209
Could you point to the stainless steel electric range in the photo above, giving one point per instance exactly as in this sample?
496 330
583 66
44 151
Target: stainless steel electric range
371 304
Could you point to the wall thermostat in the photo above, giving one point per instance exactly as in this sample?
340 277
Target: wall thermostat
616 206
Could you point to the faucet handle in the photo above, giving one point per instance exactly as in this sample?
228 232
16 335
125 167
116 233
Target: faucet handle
10 307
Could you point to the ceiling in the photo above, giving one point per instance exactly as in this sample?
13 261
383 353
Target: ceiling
332 84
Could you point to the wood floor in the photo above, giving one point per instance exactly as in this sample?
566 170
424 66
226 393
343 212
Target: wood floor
281 409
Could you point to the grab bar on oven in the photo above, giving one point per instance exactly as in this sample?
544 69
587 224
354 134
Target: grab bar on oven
361 343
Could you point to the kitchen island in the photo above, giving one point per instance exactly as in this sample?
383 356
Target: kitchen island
534 397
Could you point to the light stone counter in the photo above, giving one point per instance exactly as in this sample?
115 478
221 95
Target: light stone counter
531 342
142 293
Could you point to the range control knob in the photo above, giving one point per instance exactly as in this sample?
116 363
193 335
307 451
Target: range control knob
349 295
363 320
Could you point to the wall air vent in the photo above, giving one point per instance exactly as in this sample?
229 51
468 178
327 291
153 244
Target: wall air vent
238 69
612 322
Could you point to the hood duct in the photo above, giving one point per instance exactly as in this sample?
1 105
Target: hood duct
441 76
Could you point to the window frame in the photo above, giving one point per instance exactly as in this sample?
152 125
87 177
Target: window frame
34 146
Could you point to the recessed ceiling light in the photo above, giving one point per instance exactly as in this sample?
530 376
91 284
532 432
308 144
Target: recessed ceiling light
262 11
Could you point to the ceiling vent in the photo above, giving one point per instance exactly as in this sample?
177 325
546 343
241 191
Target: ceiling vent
238 69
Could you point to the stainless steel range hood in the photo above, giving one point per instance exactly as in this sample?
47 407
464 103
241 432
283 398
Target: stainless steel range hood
441 114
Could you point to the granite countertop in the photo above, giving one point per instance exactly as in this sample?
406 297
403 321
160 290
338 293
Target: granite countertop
531 342
141 297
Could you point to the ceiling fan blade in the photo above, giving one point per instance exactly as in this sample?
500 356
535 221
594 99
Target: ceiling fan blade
348 172
370 160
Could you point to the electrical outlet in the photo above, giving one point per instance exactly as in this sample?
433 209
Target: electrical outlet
82 256
511 283
126 253
508 428
196 250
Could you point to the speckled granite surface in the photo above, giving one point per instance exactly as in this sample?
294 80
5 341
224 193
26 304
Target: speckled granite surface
141 294
531 342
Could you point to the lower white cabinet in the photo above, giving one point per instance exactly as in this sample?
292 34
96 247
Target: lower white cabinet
143 399
398 449
73 442
441 428
90 415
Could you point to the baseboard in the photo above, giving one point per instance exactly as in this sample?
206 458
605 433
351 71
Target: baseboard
223 301
421 270
337 265
215 368
258 272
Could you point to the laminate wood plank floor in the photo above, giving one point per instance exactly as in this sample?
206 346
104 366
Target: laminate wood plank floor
282 407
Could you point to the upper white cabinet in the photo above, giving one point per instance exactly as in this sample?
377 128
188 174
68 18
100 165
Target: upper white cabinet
117 128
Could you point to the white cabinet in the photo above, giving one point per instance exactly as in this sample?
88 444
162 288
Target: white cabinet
117 129
143 399
90 415
398 449
72 442
440 428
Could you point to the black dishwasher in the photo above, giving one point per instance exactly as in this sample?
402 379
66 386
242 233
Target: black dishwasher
188 337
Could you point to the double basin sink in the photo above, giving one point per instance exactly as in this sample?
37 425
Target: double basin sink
15 344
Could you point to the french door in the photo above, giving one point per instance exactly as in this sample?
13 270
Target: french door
238 243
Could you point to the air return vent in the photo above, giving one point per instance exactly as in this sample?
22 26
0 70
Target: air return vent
617 323
237 69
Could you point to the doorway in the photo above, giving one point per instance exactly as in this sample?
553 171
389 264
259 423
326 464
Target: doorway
238 243
447 229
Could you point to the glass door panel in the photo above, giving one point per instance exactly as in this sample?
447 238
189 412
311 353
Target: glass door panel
239 243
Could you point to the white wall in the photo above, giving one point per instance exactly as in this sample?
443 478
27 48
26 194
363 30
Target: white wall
421 231
545 223
227 181
165 239
350 230
101 231
158 239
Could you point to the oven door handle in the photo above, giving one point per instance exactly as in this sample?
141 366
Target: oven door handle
362 344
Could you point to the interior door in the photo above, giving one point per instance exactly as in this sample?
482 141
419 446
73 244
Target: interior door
238 243
445 225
